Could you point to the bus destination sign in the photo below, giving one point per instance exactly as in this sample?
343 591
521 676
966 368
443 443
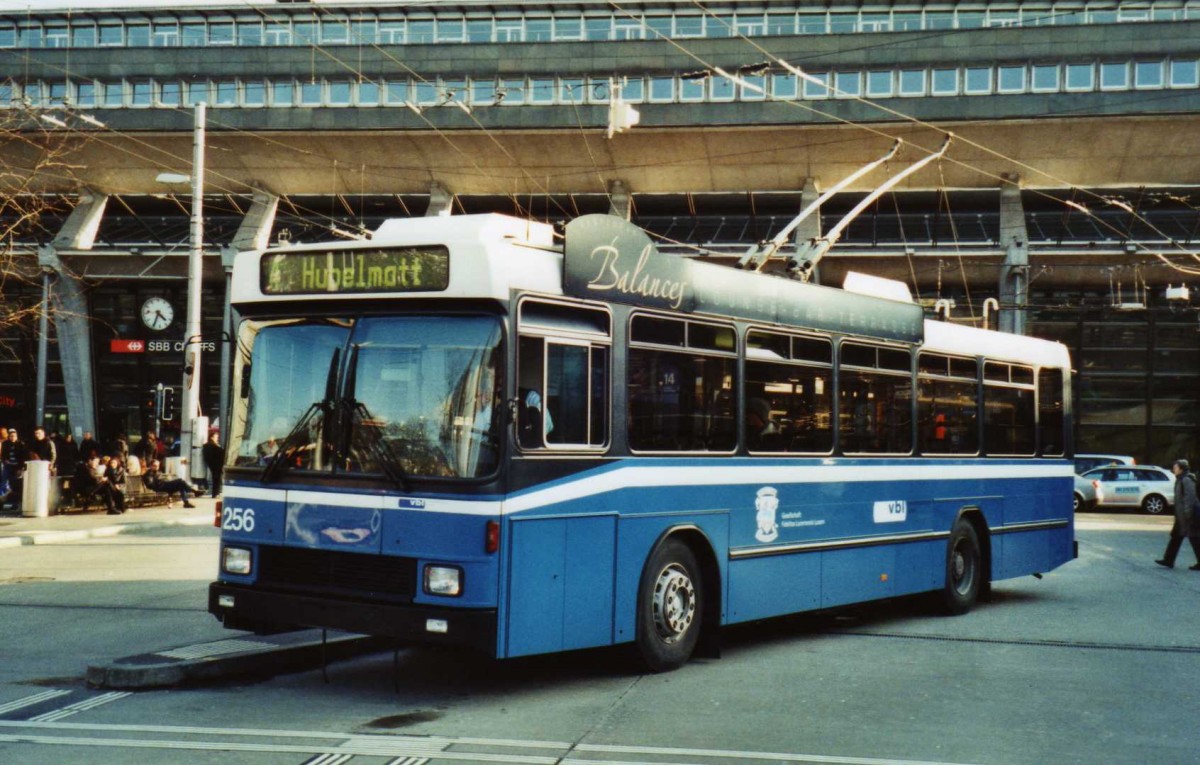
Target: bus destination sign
335 272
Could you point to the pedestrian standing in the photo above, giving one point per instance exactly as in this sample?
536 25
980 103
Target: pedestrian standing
3 473
12 462
214 460
88 447
148 449
68 455
42 448
1185 516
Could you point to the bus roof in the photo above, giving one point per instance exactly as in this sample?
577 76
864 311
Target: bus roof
960 340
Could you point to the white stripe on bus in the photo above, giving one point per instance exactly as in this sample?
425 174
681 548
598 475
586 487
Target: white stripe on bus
757 475
633 476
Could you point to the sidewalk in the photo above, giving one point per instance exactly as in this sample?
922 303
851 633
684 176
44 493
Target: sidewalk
16 530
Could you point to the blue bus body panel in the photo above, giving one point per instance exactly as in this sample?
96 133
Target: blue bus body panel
787 535
561 587
426 529
830 533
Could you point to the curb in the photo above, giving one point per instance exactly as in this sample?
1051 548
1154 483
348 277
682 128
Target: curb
249 656
74 535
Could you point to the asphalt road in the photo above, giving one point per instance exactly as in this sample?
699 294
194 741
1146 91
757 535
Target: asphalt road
1099 662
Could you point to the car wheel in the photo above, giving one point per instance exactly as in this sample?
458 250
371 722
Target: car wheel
1077 505
964 570
1154 504
670 606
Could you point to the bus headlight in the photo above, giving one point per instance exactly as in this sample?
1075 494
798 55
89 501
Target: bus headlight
443 580
235 560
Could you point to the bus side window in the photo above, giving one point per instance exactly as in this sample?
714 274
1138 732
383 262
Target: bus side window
530 401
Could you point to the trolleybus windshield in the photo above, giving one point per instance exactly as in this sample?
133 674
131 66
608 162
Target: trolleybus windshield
412 396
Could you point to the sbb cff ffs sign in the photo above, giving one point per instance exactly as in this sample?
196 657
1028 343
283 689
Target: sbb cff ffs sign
156 346
176 346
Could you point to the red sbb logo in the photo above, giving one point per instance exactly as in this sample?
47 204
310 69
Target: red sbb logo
127 346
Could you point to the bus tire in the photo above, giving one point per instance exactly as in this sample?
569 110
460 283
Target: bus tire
964 569
670 606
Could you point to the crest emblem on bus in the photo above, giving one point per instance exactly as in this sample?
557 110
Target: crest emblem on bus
766 502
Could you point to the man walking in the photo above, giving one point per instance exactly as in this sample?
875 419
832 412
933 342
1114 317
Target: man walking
214 460
1185 520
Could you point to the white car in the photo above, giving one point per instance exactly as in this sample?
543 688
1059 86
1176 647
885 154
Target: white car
1145 486
1084 494
1086 462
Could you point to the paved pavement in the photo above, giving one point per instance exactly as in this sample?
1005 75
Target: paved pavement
241 656
16 530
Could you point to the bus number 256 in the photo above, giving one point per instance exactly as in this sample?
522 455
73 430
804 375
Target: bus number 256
237 519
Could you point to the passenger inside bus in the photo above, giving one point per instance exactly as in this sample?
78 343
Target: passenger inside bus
762 431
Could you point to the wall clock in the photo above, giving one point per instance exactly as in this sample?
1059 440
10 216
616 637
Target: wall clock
157 313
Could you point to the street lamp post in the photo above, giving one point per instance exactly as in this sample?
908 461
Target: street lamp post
190 440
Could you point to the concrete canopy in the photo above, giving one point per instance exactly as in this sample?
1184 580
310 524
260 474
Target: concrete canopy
1045 153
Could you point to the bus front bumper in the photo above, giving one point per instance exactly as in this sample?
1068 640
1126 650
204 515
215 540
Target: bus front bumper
255 609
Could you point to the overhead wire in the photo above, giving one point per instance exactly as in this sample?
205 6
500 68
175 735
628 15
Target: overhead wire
888 110
420 113
544 188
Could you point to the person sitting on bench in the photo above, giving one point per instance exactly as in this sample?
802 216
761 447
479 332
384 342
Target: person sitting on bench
114 479
155 481
89 482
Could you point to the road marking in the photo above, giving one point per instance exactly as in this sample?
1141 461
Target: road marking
726 754
55 715
332 748
29 701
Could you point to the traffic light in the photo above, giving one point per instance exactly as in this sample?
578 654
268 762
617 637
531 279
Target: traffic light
168 404
150 402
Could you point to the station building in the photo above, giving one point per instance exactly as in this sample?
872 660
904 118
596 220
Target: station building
1065 206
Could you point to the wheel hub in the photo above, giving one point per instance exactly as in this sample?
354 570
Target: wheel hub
962 570
674 603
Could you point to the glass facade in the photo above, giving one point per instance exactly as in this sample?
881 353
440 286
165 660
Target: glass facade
427 26
1075 77
1136 384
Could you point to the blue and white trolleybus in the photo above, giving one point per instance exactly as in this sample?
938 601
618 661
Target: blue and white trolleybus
466 431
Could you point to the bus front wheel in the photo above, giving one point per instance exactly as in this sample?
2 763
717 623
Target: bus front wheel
670 606
964 569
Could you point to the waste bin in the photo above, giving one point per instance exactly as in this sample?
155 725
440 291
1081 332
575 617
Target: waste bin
36 501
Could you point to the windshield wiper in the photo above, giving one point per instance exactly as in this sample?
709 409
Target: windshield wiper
353 412
291 443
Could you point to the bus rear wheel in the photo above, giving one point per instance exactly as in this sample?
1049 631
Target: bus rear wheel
670 607
964 570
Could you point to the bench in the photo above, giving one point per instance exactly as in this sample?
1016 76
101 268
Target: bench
136 495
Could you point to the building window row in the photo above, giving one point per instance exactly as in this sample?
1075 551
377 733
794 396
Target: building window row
544 91
367 28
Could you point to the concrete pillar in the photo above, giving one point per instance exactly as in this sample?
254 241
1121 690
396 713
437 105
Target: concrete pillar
620 200
1014 275
810 228
254 233
72 326
79 230
441 200
68 306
